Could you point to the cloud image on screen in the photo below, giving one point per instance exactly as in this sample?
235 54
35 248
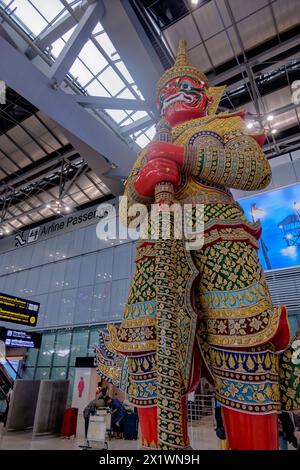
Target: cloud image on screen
279 214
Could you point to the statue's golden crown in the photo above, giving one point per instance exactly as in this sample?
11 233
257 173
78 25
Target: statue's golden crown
180 68
183 67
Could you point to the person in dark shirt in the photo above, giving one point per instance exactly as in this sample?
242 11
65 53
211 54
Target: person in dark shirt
117 413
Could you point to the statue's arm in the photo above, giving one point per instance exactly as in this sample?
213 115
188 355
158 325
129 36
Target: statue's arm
131 196
240 165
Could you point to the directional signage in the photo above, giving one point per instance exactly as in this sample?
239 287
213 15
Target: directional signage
17 310
20 339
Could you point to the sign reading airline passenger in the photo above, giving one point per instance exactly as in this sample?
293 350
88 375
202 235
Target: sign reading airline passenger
20 339
17 310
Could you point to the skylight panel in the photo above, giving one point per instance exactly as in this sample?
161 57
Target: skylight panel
80 72
48 9
139 115
68 34
126 94
98 29
117 114
127 122
92 57
59 44
111 81
96 89
151 132
124 71
106 44
136 89
142 141
57 47
29 16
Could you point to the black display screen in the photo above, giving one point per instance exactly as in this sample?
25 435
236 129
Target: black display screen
17 310
20 339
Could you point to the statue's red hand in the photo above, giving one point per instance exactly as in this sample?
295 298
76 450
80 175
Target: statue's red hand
154 172
157 150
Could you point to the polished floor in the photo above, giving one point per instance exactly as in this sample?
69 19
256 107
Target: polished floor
202 437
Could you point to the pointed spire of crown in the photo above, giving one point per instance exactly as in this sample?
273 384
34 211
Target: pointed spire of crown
182 58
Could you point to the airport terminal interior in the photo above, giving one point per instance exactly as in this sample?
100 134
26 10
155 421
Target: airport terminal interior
116 332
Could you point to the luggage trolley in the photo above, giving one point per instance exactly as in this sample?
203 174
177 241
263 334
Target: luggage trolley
99 427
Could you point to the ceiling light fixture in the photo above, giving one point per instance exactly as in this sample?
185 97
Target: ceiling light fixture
274 131
194 2
48 206
270 117
249 125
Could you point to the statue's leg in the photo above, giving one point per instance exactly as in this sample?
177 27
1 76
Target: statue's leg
246 431
240 332
149 424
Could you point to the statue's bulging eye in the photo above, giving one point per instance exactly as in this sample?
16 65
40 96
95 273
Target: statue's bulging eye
187 86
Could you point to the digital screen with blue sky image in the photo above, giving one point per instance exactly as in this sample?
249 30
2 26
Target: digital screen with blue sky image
279 214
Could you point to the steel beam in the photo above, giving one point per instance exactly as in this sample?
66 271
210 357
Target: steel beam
137 126
81 127
258 59
74 45
112 103
133 45
58 29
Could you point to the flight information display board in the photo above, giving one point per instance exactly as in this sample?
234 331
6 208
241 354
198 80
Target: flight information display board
20 339
17 310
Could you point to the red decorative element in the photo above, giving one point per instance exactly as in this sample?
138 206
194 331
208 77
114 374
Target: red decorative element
260 138
183 99
154 172
246 431
148 425
165 150
282 337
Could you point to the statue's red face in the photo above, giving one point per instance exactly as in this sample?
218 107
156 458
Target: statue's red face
183 99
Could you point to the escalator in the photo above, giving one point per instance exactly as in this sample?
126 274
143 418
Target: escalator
6 382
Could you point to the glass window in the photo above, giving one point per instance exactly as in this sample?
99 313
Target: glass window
75 244
62 348
71 377
94 340
104 265
43 286
68 306
42 373
79 345
51 317
87 270
83 305
58 276
101 302
58 373
31 357
32 281
92 57
111 81
72 273
29 373
46 350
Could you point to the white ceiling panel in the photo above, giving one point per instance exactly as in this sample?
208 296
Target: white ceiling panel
287 13
223 47
242 8
198 58
257 28
208 20
183 29
285 120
